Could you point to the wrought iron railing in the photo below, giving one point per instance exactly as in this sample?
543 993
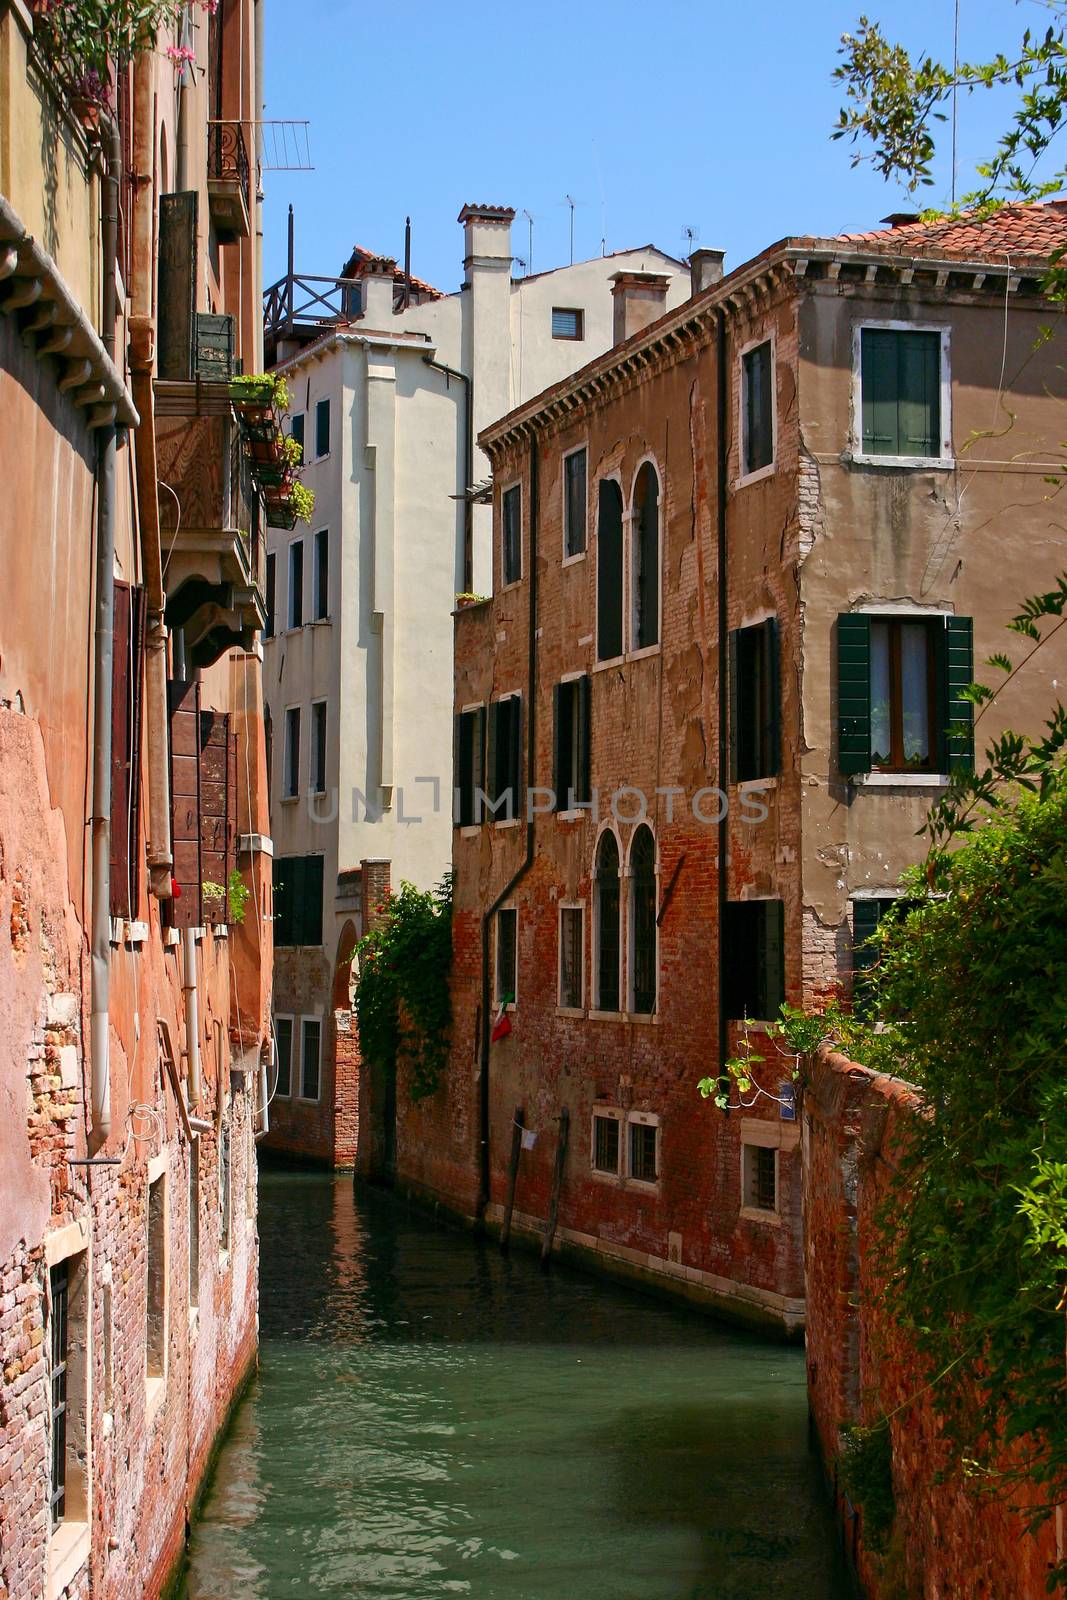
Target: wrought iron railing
227 155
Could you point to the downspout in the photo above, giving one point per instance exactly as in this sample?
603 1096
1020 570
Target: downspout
192 1015
468 508
258 109
103 675
723 686
487 918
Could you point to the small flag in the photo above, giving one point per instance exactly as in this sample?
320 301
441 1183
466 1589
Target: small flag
502 1025
529 1138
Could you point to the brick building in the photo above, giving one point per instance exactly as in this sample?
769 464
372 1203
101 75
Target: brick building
747 556
134 1018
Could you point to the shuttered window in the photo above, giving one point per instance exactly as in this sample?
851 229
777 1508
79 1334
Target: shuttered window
755 702
504 758
470 767
511 534
318 746
575 509
572 779
646 558
867 915
643 922
607 923
609 571
507 976
271 588
901 684
298 900
291 786
296 429
900 382
322 428
296 584
320 597
127 690
754 932
756 408
568 322
283 1038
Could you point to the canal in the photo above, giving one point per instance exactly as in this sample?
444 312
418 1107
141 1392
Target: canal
431 1419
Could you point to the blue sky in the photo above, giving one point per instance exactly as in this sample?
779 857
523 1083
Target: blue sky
654 117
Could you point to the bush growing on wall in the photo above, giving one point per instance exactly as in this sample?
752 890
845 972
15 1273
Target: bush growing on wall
402 1001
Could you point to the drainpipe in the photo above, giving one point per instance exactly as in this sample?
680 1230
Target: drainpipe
103 676
531 754
724 694
192 1015
468 508
258 109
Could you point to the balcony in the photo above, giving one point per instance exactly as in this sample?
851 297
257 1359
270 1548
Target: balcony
209 514
229 180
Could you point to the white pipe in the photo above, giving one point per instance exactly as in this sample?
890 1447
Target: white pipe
264 1093
192 1015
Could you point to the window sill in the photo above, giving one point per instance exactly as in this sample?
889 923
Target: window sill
290 799
155 1394
68 1552
773 1219
513 583
319 622
572 561
605 1177
644 653
643 1018
641 1185
570 1011
576 815
901 780
756 477
912 463
470 830
606 1016
508 822
606 665
755 785
309 1099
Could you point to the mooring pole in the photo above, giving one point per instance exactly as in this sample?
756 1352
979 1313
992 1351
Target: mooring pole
513 1173
557 1184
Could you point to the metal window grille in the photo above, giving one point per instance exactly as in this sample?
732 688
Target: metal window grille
570 956
643 1152
606 1144
59 1279
762 1187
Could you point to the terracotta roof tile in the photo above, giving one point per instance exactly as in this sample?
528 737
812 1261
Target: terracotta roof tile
360 258
1024 230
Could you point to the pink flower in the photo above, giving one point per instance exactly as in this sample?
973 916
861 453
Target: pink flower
180 54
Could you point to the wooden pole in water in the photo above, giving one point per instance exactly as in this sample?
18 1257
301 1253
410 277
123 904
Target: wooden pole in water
513 1173
557 1184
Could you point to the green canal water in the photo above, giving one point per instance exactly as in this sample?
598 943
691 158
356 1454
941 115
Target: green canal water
432 1419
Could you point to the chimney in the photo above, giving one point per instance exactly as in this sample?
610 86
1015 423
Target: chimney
640 297
379 288
486 237
705 268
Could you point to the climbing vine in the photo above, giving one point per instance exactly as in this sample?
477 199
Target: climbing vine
402 998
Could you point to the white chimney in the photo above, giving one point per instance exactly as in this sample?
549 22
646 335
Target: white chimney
640 297
379 289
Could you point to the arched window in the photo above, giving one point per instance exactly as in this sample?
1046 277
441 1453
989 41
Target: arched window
609 571
643 922
646 558
607 923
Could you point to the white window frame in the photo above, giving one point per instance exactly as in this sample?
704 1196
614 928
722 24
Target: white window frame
290 1017
313 787
578 449
579 1009
69 1541
511 907
505 490
777 1135
307 1099
629 555
613 1114
294 794
744 478
643 1119
946 459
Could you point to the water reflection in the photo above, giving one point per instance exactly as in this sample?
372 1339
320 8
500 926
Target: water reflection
431 1419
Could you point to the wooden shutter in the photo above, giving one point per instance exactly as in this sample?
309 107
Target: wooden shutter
184 699
734 685
585 741
866 915
609 572
492 758
955 664
478 758
919 394
878 386
771 709
177 284
514 774
215 803
771 956
470 741
854 692
560 691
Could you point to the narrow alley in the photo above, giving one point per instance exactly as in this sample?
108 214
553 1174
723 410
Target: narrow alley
431 1418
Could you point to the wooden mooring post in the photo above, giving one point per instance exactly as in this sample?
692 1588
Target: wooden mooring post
513 1173
557 1184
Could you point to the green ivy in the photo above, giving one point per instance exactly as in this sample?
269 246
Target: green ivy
865 1472
402 1001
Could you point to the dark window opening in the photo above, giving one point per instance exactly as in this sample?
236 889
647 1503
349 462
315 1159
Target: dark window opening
760 1177
318 747
322 428
609 571
292 752
643 920
470 766
320 600
507 956
283 1043
568 322
755 702
606 1145
298 900
157 1279
757 377
572 764
59 1284
127 702
900 381
607 923
504 758
575 510
571 939
271 586
646 558
511 534
194 1222
225 1178
643 1150
296 429
311 1041
296 584
755 959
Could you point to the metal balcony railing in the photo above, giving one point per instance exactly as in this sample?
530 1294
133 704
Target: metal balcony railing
227 156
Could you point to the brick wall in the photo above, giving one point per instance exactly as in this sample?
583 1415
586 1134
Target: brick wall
946 1542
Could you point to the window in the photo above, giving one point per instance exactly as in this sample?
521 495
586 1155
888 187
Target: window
504 757
607 1146
755 702
511 534
225 1178
283 1045
568 322
320 599
759 1177
310 1048
643 922
68 1335
296 583
867 914
901 693
572 778
644 1152
322 428
296 429
291 787
609 571
194 1222
575 510
203 780
646 558
318 747
900 389
755 959
571 957
298 900
607 923
757 409
156 1333
507 956
59 1287
271 585
470 766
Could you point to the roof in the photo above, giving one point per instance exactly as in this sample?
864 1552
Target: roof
1027 230
360 259
610 255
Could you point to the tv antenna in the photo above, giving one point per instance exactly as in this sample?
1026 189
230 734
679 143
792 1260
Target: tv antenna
691 236
570 200
529 253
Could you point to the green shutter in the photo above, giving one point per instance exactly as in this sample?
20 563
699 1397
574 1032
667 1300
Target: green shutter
955 672
919 394
283 901
854 692
734 681
866 915
878 384
492 783
770 733
515 755
464 768
478 772
312 900
585 738
558 776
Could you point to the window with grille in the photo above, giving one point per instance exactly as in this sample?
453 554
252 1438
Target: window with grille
59 1303
607 923
283 1036
757 426
575 509
310 1062
292 753
760 1177
571 935
507 976
511 534
643 921
568 322
900 387
322 428
646 558
644 1142
755 702
606 1145
296 584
